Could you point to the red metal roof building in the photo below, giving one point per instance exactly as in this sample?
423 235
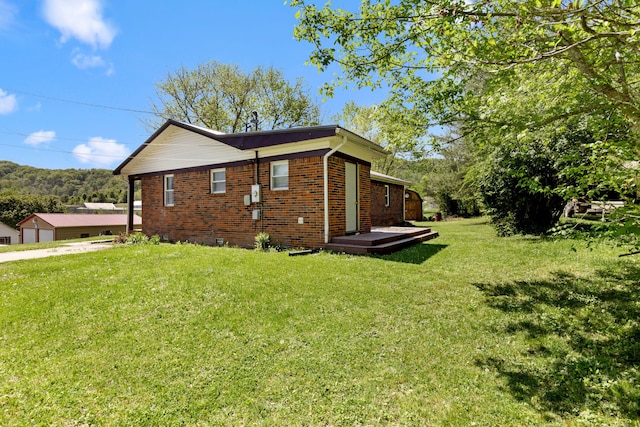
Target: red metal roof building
46 227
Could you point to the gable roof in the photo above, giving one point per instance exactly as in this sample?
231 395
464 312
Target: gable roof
81 220
240 146
4 228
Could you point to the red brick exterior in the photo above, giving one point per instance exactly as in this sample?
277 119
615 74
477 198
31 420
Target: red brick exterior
382 215
201 217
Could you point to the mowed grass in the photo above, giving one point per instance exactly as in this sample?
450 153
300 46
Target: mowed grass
467 329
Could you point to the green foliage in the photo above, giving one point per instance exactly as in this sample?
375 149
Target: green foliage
222 97
519 189
501 74
403 43
445 179
263 241
14 208
525 180
137 238
72 186
386 126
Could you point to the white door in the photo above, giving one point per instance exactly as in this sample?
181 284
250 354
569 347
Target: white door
351 196
28 235
46 235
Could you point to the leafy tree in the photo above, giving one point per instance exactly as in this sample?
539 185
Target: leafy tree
382 124
508 75
223 97
14 208
404 43
445 178
525 181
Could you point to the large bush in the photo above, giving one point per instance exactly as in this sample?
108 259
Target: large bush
14 208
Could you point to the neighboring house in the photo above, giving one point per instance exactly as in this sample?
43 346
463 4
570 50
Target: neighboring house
303 186
90 207
8 235
46 227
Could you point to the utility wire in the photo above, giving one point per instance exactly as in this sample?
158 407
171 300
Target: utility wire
59 138
87 104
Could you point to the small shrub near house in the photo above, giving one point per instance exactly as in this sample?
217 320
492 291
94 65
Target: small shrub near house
137 238
263 241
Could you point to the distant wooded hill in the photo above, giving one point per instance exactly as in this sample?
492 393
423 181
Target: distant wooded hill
72 186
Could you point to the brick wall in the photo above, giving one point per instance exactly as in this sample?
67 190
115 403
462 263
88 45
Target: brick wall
337 197
382 215
201 217
198 216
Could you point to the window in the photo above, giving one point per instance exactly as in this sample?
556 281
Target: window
168 190
387 195
280 175
218 181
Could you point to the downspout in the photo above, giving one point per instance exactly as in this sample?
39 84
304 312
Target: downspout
257 161
325 160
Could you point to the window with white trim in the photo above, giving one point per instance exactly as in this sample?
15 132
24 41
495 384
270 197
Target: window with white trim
280 175
218 181
168 190
387 195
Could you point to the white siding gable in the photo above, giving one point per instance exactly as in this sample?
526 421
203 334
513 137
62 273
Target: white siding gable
178 148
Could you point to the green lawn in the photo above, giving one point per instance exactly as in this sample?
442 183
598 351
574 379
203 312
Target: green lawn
467 329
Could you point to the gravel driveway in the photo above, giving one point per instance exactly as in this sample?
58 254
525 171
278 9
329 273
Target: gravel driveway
69 248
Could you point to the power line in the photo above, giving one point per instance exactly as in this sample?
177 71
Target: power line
58 138
88 157
86 104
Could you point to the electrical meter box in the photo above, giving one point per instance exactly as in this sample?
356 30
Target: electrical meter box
255 214
256 196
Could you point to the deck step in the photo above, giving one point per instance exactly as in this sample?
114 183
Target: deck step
376 238
380 242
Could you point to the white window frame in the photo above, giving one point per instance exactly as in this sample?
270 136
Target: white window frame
169 193
387 195
274 176
214 182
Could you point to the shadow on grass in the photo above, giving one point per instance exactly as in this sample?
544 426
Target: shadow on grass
416 254
584 341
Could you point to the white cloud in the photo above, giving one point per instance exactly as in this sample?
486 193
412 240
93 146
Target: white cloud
87 61
8 103
101 151
8 13
37 107
80 19
40 137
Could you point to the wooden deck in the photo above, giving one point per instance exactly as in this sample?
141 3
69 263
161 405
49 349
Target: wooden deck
381 240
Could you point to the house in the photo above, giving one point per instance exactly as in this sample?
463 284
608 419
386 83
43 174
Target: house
90 207
46 227
302 186
8 235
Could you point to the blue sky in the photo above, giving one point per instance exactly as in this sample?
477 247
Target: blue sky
111 53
